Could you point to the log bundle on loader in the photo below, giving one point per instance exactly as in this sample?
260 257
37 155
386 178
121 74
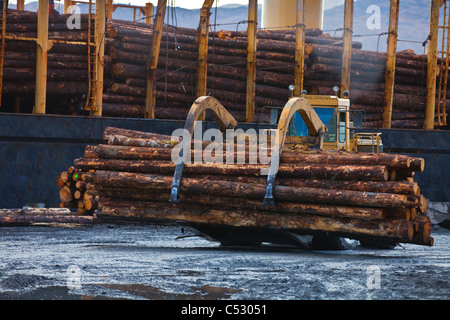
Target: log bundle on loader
362 196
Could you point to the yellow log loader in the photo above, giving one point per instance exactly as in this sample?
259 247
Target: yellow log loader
309 121
328 124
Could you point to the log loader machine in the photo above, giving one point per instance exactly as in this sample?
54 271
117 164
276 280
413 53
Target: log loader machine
286 195
334 114
326 125
309 121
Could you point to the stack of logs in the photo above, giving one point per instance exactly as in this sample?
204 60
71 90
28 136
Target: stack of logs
74 191
357 195
67 63
127 54
129 46
368 83
30 216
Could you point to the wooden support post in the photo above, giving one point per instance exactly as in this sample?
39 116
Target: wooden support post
432 64
203 35
109 9
347 47
17 104
149 13
41 58
67 4
299 48
390 63
203 47
20 5
2 47
100 24
150 98
251 59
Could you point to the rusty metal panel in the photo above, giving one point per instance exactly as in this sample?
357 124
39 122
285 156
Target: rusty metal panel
35 149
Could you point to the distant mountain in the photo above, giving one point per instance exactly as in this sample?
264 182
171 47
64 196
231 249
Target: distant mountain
227 17
413 21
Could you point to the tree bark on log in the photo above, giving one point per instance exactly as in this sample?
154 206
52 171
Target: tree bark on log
401 230
137 166
310 171
235 189
251 204
24 220
399 162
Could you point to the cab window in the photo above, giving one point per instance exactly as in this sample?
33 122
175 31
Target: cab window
328 117
342 116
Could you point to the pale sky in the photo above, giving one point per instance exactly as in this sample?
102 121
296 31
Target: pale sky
193 4
189 4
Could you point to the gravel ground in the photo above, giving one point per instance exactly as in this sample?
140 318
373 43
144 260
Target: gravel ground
145 262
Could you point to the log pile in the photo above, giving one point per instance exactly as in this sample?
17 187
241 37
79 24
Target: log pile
74 192
126 56
42 217
357 195
275 72
129 47
67 63
368 83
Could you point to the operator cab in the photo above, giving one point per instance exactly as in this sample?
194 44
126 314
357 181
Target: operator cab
335 115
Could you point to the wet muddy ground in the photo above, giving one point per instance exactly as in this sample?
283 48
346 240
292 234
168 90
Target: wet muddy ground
145 262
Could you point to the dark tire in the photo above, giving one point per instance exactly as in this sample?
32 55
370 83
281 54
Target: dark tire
380 245
333 243
234 243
